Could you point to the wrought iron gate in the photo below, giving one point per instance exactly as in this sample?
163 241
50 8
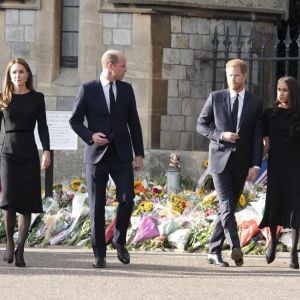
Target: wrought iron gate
279 61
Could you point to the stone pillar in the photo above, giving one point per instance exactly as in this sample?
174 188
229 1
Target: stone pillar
46 49
90 41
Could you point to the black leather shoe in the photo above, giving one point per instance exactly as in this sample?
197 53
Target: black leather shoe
122 253
237 256
271 252
100 262
216 259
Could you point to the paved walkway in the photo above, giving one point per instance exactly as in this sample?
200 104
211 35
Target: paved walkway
66 273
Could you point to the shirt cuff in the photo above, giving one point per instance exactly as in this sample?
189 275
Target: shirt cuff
221 136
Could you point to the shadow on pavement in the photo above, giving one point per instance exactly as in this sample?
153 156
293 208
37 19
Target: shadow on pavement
40 262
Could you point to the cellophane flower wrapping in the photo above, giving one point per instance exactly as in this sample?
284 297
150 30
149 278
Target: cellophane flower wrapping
179 238
147 229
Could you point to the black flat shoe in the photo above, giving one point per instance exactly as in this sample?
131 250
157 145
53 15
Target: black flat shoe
8 257
237 256
19 259
271 252
294 261
100 262
122 253
216 259
294 266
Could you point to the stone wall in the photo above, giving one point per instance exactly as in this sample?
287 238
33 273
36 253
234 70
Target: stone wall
187 65
167 44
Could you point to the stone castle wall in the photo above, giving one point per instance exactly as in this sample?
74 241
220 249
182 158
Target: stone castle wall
166 44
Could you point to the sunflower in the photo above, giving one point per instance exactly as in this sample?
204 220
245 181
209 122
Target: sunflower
243 200
75 184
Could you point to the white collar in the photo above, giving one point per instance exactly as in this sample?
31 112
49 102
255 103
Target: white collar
233 94
104 81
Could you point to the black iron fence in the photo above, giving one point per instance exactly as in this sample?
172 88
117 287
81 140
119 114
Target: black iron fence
268 59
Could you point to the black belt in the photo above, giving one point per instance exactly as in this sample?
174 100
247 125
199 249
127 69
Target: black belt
21 130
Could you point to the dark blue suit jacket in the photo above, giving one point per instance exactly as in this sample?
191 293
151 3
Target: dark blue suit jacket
215 118
124 128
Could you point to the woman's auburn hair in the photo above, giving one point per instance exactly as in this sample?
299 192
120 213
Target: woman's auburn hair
8 87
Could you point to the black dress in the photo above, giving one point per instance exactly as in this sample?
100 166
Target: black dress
20 163
283 183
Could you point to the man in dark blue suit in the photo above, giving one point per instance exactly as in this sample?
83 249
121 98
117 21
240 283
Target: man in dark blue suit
112 129
232 120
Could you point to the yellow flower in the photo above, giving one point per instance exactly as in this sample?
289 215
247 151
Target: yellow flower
75 183
137 182
243 201
148 206
144 206
201 192
205 163
210 200
178 203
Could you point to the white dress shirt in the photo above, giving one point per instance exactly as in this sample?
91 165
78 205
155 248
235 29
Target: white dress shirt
105 85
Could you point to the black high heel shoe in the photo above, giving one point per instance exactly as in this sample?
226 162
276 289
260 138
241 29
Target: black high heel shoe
271 252
19 259
294 261
8 257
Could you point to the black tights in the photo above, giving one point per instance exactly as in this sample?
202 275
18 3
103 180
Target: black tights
295 238
23 227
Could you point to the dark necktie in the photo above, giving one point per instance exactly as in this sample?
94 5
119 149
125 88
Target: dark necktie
112 100
235 110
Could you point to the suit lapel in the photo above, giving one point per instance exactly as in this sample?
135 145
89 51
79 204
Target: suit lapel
226 99
101 93
119 91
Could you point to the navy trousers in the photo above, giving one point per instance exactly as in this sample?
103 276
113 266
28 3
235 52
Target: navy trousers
229 186
97 177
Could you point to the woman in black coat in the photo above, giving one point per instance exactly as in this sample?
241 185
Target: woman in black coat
282 143
21 108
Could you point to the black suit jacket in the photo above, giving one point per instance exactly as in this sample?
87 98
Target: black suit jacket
215 118
124 129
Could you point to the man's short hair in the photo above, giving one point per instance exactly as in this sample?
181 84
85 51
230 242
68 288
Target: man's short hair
238 63
110 56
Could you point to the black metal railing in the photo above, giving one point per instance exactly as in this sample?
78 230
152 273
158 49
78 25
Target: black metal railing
263 53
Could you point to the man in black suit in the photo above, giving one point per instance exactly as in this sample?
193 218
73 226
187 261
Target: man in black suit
111 130
232 120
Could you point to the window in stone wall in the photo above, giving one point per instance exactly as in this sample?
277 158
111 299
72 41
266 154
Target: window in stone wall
20 4
10 1
69 33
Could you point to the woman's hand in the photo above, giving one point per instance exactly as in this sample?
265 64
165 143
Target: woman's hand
46 160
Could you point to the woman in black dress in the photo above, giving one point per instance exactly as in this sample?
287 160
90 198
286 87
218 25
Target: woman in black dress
21 108
282 143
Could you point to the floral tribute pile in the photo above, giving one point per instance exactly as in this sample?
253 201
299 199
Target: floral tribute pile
160 220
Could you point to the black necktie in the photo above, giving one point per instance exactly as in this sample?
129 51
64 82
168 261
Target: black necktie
112 100
235 110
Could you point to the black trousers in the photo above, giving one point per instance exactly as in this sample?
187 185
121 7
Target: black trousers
229 186
97 177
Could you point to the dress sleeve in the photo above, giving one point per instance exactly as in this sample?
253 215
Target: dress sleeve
42 125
